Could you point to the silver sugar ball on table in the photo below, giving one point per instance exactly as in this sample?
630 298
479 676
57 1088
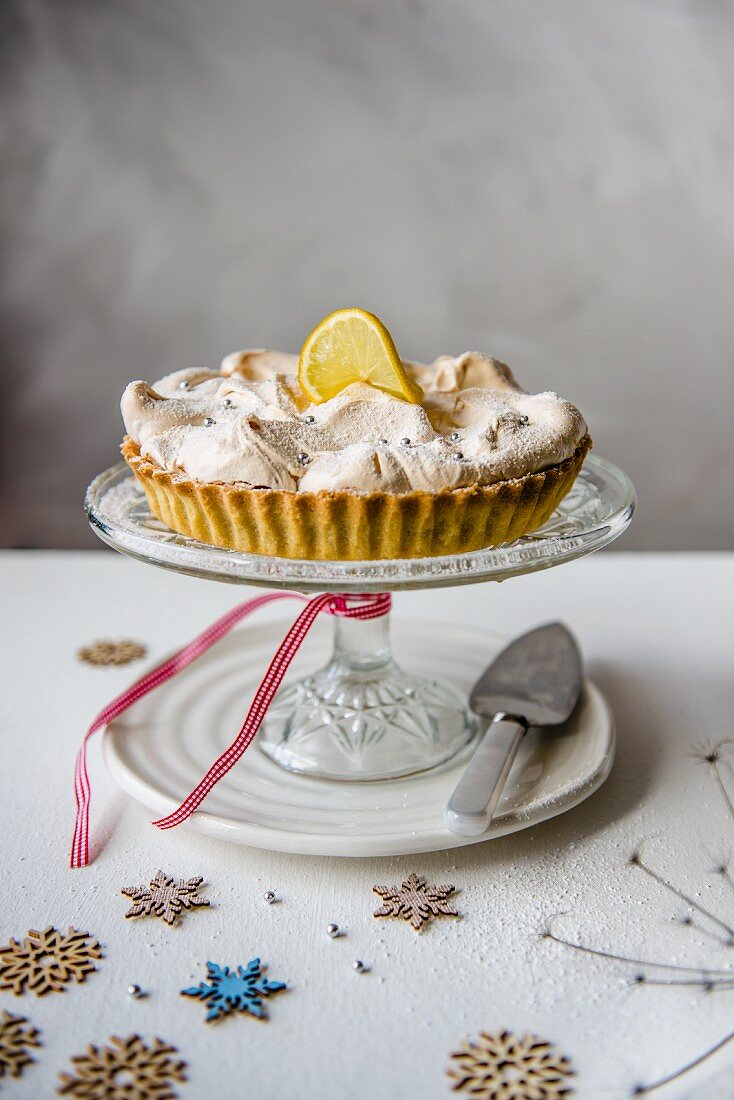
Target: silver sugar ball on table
208 421
359 967
269 896
332 931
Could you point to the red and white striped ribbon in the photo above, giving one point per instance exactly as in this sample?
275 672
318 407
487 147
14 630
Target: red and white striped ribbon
367 606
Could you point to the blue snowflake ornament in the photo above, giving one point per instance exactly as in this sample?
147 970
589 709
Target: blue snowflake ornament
234 991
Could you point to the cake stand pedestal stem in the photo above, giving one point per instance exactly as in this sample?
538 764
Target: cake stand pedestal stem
362 717
362 645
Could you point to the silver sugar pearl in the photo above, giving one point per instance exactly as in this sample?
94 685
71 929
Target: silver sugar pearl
332 930
382 442
135 991
184 385
269 897
457 455
524 419
303 458
454 437
310 419
409 691
405 441
227 402
359 966
208 421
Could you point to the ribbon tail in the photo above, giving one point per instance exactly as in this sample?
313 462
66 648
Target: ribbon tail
258 709
79 856
80 843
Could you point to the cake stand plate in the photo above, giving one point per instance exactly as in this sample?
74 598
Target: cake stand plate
596 511
163 745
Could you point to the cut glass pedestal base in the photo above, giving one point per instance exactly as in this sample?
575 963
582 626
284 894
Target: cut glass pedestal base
362 717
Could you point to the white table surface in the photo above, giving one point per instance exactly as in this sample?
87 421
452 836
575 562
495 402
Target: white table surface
658 635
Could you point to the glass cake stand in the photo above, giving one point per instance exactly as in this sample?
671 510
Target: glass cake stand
362 717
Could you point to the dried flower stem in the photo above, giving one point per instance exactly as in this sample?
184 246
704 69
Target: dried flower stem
724 941
721 975
711 754
709 984
637 861
641 1090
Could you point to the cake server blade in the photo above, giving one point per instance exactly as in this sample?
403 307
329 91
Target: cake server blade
535 681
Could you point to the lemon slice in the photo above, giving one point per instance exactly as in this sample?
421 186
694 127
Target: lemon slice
348 346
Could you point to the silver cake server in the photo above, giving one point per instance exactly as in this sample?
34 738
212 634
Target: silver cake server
535 681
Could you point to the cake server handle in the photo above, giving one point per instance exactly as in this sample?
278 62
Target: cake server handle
471 806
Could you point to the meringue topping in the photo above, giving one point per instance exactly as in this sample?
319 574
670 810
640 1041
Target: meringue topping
249 423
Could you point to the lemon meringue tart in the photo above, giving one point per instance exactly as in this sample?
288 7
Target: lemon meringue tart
350 453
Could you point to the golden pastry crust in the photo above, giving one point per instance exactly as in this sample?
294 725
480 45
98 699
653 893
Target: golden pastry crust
354 526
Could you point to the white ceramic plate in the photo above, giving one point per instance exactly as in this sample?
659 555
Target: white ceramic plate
159 750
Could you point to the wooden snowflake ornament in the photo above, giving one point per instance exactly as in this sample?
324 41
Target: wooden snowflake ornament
16 1034
164 897
127 1069
415 901
47 961
111 653
503 1066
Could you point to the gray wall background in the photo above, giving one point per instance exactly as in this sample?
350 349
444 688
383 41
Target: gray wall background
548 181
